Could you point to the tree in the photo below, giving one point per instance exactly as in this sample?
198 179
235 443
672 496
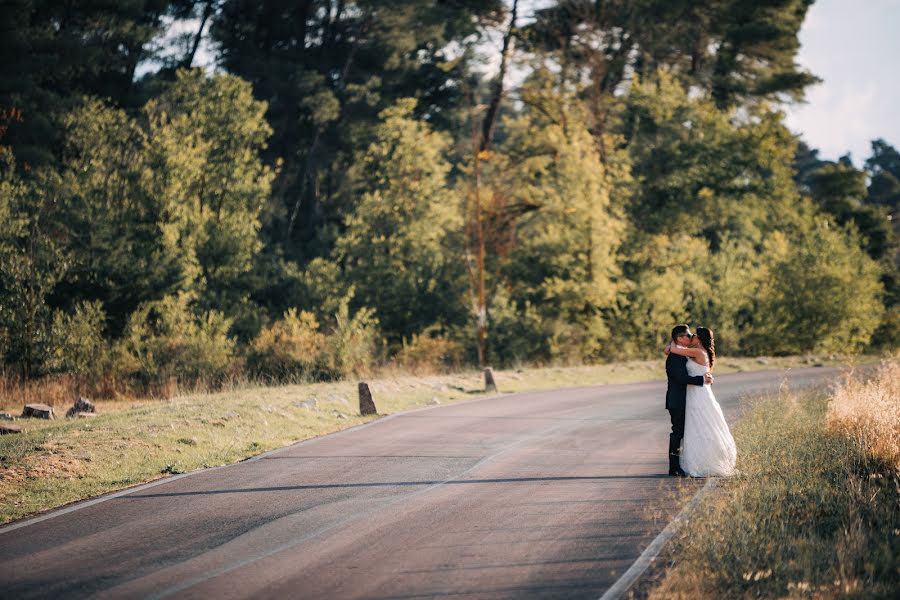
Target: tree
327 69
397 251
822 294
702 171
53 53
206 136
551 199
114 223
841 190
738 52
31 263
883 168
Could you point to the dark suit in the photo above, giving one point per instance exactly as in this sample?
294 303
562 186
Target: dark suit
676 373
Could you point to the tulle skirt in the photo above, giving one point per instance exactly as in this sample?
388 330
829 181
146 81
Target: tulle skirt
708 447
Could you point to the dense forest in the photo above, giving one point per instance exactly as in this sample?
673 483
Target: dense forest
421 183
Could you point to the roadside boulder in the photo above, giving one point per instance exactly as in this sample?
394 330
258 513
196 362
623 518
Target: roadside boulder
9 429
82 405
489 384
366 404
38 411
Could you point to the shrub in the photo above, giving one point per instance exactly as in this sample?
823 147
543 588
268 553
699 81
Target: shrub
164 341
430 354
290 349
353 344
295 349
516 333
78 344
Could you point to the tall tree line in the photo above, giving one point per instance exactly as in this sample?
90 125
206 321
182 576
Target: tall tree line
482 181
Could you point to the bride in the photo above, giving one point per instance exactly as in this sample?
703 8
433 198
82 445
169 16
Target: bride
708 448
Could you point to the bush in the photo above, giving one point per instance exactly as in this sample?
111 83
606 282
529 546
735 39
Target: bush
164 342
290 349
294 348
353 344
823 295
515 333
78 344
425 354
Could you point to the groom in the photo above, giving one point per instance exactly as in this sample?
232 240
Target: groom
678 378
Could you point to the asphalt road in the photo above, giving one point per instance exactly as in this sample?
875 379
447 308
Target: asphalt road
534 495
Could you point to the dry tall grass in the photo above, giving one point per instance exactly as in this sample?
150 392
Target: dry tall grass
868 412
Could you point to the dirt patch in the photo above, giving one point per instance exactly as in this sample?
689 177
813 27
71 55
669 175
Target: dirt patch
57 465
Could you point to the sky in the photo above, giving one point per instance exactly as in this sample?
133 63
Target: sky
854 46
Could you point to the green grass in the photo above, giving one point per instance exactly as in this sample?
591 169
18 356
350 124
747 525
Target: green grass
810 515
56 462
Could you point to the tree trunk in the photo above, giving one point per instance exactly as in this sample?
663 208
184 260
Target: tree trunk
490 118
208 7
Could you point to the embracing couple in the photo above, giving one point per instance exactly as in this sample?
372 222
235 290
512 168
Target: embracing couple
700 444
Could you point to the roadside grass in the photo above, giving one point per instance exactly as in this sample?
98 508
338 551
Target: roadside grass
815 511
53 463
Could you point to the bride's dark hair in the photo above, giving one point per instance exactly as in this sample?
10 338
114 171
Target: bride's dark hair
709 344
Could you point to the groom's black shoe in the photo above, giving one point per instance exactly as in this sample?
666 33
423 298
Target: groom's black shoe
675 466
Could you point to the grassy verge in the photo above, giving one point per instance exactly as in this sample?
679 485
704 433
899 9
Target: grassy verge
816 509
56 462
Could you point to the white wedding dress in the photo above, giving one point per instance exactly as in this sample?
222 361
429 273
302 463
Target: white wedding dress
708 448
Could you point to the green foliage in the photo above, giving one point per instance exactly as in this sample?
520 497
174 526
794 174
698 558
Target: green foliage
290 349
822 294
639 177
562 258
205 139
79 346
32 262
353 344
666 279
737 52
701 171
403 229
840 190
52 53
327 71
164 341
427 353
295 349
884 169
114 222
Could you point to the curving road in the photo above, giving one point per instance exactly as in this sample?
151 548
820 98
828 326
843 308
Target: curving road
533 495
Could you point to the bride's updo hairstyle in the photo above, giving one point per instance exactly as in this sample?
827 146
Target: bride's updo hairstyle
709 344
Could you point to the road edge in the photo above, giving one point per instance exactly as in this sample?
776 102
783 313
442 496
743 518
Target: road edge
651 552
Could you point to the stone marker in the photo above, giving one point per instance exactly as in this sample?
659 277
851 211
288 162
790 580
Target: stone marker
366 404
38 411
489 385
82 405
8 429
